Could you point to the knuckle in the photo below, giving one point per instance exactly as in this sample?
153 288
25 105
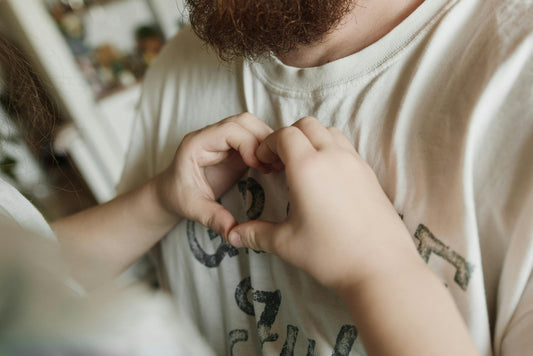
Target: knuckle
250 239
307 119
188 137
245 116
334 130
242 117
186 146
230 125
288 132
208 221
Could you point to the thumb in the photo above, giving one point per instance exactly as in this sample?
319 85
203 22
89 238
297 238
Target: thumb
214 216
256 234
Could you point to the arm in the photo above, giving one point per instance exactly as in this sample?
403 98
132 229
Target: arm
113 235
347 235
103 241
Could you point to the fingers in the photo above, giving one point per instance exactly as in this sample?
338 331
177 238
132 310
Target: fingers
253 124
293 143
242 133
289 144
214 216
236 139
318 135
258 235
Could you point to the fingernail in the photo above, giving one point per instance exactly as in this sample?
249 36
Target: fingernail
235 239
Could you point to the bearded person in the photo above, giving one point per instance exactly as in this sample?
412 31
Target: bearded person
387 208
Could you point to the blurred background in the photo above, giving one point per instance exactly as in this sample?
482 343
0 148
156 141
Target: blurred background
89 57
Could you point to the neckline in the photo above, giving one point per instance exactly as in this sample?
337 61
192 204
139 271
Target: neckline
287 79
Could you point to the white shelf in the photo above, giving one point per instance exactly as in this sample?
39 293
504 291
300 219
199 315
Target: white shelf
119 109
37 32
99 138
171 15
70 141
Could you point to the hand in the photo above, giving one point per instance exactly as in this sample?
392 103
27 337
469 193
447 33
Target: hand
207 163
341 226
343 230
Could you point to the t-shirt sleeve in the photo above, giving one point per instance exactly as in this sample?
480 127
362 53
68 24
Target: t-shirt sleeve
154 137
137 167
142 152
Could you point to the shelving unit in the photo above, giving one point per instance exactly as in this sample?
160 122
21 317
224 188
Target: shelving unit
99 132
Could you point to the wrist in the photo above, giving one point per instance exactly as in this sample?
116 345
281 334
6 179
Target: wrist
161 205
406 304
400 261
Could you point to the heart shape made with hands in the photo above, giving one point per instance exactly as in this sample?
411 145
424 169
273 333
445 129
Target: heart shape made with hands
209 161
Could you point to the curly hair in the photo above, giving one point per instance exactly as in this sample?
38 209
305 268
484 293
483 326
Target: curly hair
24 96
250 29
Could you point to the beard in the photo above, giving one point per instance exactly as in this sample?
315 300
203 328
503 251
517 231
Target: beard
254 28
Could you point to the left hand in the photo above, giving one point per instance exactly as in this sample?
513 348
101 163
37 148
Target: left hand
206 164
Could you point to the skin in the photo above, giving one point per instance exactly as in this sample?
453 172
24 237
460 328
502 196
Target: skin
103 241
365 24
209 161
351 220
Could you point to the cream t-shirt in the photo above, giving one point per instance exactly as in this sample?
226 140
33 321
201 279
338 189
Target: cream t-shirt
442 110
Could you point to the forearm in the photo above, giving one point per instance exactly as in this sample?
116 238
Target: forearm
207 163
114 234
405 310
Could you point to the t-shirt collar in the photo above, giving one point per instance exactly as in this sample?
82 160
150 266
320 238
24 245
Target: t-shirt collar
277 75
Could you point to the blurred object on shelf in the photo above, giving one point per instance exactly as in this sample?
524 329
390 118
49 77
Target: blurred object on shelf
113 41
92 55
150 40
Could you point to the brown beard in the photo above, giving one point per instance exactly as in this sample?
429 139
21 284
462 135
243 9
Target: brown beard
253 28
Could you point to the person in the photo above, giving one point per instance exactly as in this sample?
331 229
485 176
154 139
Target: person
65 298
435 97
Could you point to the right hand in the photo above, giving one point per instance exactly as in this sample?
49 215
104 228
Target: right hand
341 227
207 163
